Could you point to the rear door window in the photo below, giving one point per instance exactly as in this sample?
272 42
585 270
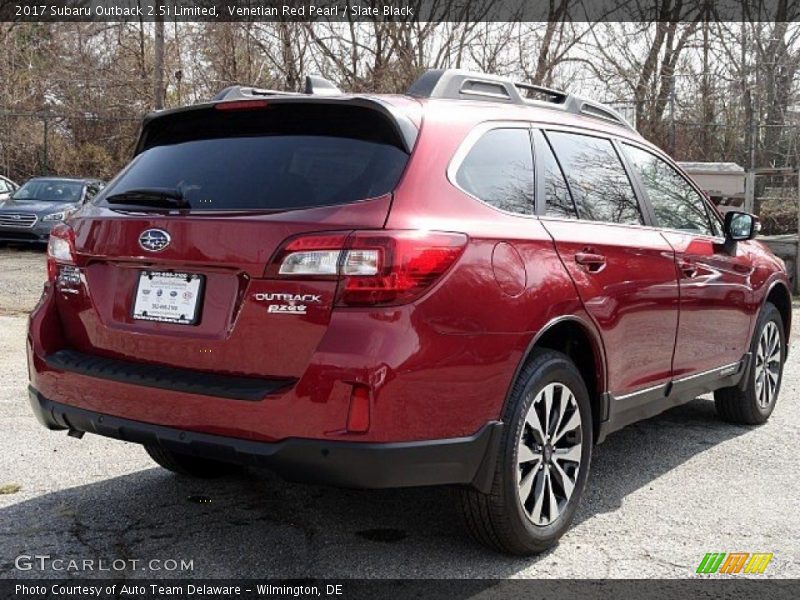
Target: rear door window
281 157
498 170
598 181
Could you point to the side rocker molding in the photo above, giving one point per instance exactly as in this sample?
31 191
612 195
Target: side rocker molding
655 400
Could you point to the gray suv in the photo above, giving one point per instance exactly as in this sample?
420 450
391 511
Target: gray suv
29 213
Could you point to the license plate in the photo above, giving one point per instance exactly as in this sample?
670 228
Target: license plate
168 297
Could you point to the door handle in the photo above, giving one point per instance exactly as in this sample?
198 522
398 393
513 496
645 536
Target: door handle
688 269
593 262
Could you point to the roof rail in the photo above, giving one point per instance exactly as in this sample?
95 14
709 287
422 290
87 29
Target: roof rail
456 84
314 85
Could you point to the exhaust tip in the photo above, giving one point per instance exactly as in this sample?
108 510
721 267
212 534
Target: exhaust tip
75 433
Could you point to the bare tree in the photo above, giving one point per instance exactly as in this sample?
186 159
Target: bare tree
705 88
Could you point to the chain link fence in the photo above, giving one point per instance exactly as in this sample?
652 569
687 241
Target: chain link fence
774 195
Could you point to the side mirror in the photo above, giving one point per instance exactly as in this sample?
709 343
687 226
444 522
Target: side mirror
740 226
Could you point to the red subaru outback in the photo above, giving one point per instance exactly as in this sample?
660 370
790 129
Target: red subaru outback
468 285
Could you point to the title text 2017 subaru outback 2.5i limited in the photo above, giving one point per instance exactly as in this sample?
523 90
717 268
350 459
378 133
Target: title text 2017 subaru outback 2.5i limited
470 284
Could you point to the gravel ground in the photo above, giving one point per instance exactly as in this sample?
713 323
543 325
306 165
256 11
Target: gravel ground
662 493
22 273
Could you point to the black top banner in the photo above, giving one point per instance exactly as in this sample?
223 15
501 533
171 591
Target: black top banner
398 10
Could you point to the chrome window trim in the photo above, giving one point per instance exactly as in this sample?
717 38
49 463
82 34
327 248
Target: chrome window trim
605 223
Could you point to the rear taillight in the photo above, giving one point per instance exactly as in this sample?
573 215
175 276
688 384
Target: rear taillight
397 267
373 267
311 255
60 249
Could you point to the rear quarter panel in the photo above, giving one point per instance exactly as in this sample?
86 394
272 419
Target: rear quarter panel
507 286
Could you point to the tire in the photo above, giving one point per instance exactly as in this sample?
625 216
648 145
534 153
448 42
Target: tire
499 519
190 466
753 402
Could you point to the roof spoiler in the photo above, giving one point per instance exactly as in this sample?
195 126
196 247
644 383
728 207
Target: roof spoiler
404 127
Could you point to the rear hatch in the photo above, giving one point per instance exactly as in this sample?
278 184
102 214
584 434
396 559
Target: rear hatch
177 253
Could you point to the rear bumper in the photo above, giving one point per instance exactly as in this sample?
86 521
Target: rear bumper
166 378
424 385
465 460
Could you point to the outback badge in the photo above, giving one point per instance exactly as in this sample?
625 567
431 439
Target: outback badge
287 304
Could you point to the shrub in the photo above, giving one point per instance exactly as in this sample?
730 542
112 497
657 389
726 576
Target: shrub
778 218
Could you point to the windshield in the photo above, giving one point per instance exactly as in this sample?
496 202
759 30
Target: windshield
268 160
50 190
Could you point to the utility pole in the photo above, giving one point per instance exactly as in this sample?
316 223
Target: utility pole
797 247
158 60
45 168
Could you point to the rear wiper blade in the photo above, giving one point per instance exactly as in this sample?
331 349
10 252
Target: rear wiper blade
160 197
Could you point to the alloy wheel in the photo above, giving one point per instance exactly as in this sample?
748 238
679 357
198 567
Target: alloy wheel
768 364
549 454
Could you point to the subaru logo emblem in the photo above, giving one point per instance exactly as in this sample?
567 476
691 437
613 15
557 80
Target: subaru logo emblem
154 240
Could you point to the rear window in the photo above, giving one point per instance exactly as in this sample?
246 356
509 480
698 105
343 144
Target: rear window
275 158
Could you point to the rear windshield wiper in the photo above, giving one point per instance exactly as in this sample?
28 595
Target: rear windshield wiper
158 197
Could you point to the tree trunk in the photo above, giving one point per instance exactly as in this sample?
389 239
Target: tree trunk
158 63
